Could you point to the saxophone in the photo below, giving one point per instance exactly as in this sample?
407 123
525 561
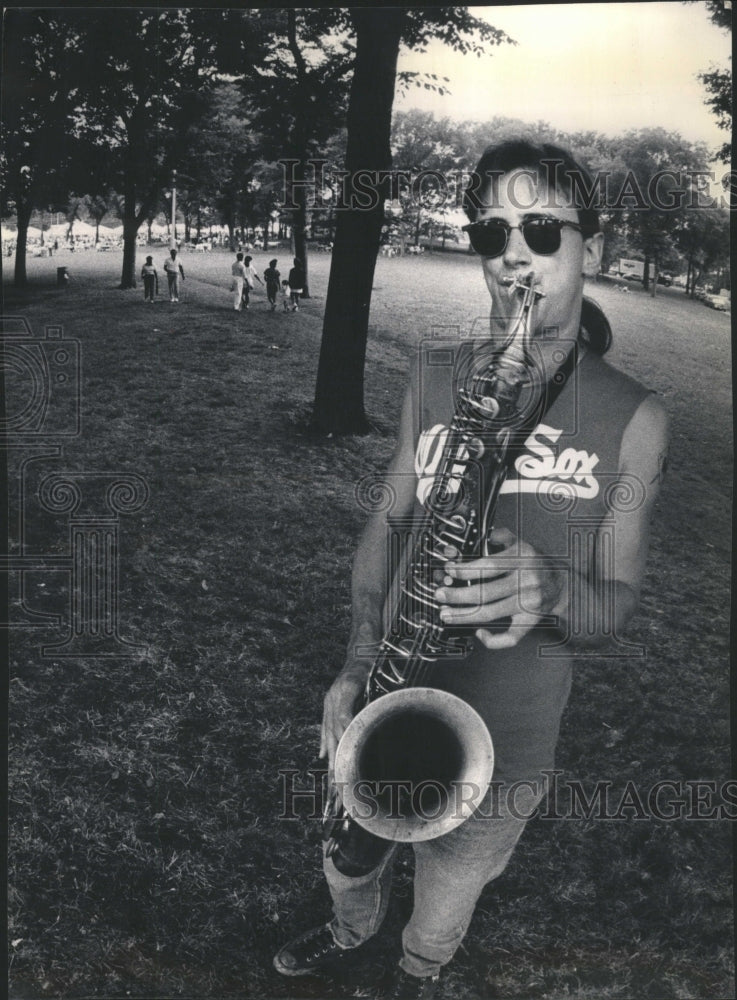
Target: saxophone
407 752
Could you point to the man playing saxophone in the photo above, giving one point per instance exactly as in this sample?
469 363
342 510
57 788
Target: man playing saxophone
534 597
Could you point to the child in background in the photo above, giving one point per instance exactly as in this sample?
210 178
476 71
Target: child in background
150 280
286 295
296 282
271 277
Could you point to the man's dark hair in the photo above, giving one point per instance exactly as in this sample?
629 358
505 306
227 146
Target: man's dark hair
555 167
560 173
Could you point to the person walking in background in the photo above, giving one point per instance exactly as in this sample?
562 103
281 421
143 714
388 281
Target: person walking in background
248 283
296 283
150 280
238 270
174 271
271 278
286 295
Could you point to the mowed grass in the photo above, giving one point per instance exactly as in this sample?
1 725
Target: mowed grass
147 853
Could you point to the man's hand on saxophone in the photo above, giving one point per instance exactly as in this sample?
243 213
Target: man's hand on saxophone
507 585
339 706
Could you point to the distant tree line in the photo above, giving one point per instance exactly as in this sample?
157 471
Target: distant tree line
99 108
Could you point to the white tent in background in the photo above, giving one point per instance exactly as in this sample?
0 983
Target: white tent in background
454 219
60 229
33 233
82 228
110 232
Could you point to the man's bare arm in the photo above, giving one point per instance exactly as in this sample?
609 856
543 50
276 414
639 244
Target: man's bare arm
368 588
642 463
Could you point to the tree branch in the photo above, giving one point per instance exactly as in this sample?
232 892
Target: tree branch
294 48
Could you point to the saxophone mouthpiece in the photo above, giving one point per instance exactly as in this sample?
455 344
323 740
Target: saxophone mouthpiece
523 283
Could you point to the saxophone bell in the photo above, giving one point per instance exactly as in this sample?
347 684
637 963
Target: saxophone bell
414 764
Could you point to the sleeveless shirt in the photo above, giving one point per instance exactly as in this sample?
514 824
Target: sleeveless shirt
558 490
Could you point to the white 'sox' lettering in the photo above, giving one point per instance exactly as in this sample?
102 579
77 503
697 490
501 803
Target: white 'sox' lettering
541 470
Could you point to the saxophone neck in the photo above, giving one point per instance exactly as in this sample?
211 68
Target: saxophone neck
516 349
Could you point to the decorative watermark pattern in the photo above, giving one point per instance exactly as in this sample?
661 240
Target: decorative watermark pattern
43 391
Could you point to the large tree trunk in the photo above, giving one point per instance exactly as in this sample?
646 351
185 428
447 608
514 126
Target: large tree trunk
300 143
299 221
130 224
656 272
130 231
20 278
339 404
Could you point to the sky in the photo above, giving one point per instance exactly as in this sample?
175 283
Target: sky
602 66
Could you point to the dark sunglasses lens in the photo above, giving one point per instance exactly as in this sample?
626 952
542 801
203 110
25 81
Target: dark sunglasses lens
542 236
488 238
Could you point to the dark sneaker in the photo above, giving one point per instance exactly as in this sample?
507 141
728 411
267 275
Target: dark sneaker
308 952
408 987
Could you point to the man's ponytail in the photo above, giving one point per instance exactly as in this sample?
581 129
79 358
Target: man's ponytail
595 332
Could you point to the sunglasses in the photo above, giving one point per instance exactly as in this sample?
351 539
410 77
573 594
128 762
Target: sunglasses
490 237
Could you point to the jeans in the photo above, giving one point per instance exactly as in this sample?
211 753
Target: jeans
450 873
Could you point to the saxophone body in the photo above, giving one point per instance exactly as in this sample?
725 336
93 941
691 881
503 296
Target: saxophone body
415 762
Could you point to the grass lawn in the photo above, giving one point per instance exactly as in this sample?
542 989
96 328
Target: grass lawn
147 856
